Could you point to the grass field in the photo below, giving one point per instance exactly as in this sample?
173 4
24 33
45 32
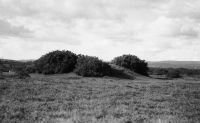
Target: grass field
69 98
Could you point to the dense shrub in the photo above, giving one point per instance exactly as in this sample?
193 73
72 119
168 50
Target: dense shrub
158 71
133 63
173 73
181 71
56 62
6 65
91 66
22 74
1 75
188 72
30 68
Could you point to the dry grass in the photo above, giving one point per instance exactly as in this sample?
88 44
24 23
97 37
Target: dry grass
72 99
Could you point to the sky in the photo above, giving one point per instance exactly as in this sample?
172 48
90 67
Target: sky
153 30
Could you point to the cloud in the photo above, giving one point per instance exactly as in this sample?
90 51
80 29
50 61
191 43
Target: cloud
7 29
75 9
171 27
184 9
104 28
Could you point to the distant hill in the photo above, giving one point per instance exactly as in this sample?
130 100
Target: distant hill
29 60
175 64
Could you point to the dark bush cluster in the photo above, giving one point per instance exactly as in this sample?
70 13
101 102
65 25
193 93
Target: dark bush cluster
1 75
189 72
22 74
158 71
173 73
30 68
133 63
6 65
56 62
169 73
66 61
92 66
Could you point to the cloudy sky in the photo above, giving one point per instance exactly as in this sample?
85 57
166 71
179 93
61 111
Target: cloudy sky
151 29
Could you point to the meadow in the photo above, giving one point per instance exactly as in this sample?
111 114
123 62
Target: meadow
68 98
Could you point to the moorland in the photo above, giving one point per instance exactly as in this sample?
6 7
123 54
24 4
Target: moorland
49 90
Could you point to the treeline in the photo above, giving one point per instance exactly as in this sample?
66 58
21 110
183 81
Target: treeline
66 61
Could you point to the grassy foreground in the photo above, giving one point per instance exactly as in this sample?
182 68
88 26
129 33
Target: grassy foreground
69 98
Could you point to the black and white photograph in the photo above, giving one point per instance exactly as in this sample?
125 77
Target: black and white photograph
99 61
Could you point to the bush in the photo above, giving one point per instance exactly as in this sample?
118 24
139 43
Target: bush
91 66
173 73
30 68
1 75
133 63
56 62
22 75
158 71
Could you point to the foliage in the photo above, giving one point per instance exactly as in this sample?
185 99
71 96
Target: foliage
133 63
22 74
158 71
6 65
1 75
56 62
182 71
30 68
91 66
189 72
173 73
